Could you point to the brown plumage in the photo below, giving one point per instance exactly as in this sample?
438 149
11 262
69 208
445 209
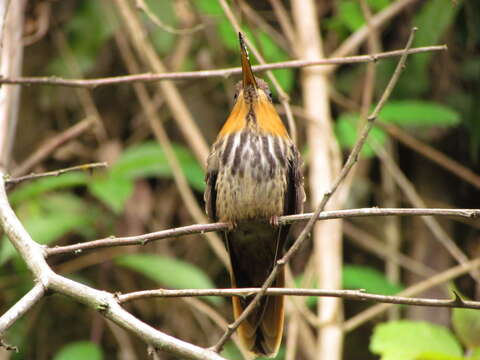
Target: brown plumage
254 175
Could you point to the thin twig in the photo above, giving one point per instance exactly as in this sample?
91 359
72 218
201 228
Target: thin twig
353 42
413 290
188 75
432 154
154 18
377 247
285 23
15 180
282 220
85 96
357 295
352 158
412 195
51 144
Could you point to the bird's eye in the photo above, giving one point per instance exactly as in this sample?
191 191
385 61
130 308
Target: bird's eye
269 94
235 97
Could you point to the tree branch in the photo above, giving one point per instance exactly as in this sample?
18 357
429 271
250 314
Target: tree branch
15 180
357 295
104 302
204 228
420 287
150 77
51 144
20 308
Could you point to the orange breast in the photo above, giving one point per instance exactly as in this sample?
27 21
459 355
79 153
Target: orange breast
267 119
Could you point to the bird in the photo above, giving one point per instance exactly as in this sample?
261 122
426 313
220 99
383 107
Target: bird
254 175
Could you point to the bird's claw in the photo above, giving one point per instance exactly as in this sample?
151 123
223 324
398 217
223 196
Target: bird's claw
274 221
232 225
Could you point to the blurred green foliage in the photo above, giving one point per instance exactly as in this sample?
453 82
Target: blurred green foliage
271 51
411 340
140 161
368 278
413 114
80 350
170 272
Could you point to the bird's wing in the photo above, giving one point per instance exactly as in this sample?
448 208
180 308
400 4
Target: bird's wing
295 194
210 195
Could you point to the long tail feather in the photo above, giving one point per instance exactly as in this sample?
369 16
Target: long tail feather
253 251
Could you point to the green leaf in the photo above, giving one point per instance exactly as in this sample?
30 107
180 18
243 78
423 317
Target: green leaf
419 113
350 14
43 185
168 272
437 356
370 279
407 340
209 7
148 159
466 324
144 160
57 215
346 133
113 191
80 350
231 352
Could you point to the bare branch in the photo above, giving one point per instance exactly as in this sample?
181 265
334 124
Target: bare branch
435 280
188 75
432 154
155 19
104 302
357 295
21 307
11 55
51 144
15 180
204 228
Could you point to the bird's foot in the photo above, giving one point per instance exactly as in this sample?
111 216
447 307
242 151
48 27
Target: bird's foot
274 221
232 225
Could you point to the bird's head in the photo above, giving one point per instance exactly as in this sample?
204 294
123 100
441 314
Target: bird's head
253 107
250 89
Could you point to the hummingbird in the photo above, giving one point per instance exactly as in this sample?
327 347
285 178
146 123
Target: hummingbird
254 175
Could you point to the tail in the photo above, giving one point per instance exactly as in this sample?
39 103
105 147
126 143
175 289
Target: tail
261 333
253 250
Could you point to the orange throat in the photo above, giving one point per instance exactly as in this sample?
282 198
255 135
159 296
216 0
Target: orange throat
260 115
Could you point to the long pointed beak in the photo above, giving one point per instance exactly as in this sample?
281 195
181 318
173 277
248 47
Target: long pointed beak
248 77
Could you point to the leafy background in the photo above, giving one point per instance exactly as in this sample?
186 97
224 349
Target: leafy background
436 101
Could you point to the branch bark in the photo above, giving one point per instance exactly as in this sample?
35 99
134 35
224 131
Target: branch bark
357 295
20 308
324 167
290 219
188 75
11 55
104 302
